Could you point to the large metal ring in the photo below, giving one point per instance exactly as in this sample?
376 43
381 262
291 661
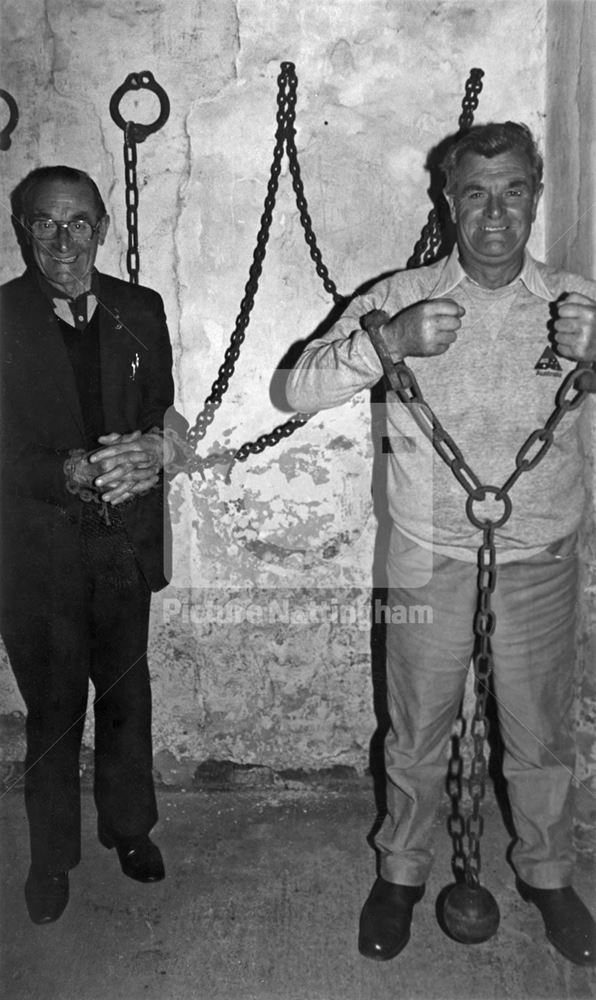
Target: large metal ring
477 496
13 117
140 81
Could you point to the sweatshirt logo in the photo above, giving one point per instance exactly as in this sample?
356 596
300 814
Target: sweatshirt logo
548 364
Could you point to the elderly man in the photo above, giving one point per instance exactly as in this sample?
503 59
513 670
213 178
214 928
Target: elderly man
489 334
86 380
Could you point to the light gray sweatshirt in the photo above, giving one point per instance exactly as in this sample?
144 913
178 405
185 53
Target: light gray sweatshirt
495 385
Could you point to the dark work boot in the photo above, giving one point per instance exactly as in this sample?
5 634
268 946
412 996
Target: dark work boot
386 918
569 925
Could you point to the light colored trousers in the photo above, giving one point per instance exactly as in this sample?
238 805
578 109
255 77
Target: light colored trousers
533 666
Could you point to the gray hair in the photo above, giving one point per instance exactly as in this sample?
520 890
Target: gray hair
490 140
23 193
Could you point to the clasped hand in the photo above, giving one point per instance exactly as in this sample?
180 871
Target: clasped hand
127 465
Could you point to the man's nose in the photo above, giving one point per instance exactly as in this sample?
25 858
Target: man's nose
494 206
63 237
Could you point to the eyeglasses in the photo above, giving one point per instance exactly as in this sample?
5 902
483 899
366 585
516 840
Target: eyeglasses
79 229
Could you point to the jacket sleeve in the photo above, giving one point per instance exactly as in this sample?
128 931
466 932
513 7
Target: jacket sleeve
30 467
157 387
33 471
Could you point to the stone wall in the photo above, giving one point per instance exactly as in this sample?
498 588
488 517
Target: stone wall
261 648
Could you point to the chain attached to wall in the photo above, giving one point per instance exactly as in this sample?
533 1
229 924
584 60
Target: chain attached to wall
284 142
135 132
427 247
13 118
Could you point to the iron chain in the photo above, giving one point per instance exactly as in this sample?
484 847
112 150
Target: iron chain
13 120
470 100
456 825
484 626
573 390
426 249
284 141
132 204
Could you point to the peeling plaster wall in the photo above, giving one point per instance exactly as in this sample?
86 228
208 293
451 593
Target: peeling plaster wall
260 648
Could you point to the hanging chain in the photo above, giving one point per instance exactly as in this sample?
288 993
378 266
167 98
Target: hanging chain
132 205
135 132
484 626
469 103
456 826
426 249
306 221
284 141
572 391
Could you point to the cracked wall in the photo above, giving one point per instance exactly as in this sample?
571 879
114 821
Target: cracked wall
260 648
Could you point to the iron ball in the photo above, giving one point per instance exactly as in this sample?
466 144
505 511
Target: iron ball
470 913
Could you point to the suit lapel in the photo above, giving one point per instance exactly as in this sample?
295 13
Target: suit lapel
119 358
110 339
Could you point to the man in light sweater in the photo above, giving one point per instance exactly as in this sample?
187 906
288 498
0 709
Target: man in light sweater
490 335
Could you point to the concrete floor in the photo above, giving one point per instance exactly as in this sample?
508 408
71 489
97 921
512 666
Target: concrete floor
261 902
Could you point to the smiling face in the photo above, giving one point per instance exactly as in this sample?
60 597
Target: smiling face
65 262
493 205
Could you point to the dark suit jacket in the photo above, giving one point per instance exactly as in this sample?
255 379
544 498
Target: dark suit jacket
42 421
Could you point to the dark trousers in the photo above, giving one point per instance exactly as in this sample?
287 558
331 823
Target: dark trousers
91 624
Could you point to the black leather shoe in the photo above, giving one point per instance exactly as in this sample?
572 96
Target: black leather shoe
386 918
139 857
568 923
46 895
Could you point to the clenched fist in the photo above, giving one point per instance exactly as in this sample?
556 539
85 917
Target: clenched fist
422 330
575 327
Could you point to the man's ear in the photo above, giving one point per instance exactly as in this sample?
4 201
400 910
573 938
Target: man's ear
102 232
536 200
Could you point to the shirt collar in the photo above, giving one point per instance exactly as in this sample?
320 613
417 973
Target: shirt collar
453 274
53 293
76 312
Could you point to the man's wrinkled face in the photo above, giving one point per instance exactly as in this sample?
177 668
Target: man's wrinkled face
493 205
66 261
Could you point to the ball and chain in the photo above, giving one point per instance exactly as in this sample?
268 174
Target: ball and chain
470 912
